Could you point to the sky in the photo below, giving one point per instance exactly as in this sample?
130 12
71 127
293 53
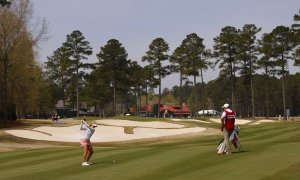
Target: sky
135 23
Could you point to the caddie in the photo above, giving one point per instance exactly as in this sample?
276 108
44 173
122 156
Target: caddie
227 125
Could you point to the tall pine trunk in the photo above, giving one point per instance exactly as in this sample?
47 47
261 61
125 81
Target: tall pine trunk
115 100
146 100
252 97
267 101
283 94
252 91
181 95
196 97
140 101
100 109
283 88
77 91
267 91
159 97
232 88
232 79
202 91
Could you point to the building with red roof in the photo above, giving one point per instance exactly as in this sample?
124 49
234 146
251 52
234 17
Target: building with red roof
165 111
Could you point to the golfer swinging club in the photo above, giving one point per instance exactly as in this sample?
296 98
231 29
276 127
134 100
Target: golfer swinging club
227 121
86 143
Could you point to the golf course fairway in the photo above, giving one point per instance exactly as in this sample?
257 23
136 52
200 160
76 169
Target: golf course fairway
271 151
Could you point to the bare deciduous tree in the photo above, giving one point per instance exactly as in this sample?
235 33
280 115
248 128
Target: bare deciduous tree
18 37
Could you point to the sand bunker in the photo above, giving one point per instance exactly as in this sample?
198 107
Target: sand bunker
152 124
265 121
106 133
193 120
237 121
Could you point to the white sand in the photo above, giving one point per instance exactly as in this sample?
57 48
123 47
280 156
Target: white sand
194 120
105 133
152 124
113 130
237 121
265 121
256 123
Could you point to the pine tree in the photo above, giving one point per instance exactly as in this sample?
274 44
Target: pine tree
282 45
155 57
197 60
58 71
266 63
247 53
77 49
97 90
113 61
225 51
296 31
178 60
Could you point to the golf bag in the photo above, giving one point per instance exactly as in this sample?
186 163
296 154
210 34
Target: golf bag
233 140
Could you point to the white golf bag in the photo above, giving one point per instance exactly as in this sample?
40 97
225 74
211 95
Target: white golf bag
233 140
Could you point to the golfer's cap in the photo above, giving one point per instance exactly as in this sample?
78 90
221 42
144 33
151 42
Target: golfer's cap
225 106
95 125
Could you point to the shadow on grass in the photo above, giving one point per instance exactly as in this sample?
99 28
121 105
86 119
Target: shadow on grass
238 152
105 162
234 153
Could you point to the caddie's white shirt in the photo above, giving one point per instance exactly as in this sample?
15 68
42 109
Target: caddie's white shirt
224 113
88 130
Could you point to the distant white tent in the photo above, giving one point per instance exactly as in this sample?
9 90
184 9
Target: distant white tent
209 112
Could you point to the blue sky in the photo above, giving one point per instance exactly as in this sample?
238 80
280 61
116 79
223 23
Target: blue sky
135 23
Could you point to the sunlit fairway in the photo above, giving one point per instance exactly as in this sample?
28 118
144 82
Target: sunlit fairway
271 151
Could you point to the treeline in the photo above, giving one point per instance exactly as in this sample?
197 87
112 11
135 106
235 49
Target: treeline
116 82
21 78
268 101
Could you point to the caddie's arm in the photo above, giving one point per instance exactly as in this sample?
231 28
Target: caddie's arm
222 123
223 120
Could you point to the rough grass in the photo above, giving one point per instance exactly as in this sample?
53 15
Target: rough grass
271 152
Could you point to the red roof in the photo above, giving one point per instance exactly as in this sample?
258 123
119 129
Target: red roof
175 109
170 108
143 109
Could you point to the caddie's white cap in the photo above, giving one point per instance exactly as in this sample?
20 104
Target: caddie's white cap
95 125
225 105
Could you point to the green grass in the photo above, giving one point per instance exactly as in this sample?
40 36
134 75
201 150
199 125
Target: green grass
271 152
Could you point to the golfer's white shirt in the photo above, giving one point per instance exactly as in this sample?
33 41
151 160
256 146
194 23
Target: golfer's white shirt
88 130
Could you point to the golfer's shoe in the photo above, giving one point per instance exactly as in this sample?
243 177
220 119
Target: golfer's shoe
229 152
85 164
90 163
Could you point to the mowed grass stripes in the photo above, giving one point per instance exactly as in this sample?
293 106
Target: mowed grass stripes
272 151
